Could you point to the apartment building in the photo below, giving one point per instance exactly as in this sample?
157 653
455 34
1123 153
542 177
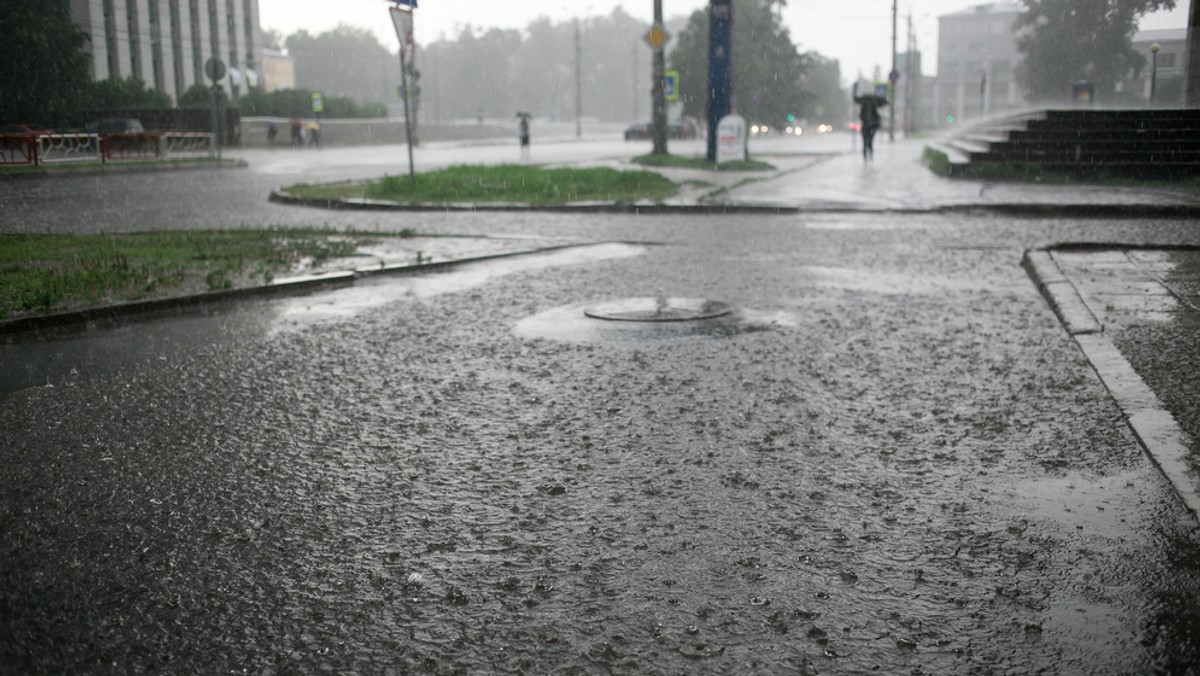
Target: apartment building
977 58
166 43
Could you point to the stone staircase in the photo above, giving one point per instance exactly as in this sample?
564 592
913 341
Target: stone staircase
1150 144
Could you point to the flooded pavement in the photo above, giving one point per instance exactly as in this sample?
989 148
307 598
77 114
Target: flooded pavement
887 457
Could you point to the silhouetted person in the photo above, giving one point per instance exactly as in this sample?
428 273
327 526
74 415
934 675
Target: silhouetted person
523 135
868 116
297 132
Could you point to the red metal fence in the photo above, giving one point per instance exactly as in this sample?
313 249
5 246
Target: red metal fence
43 149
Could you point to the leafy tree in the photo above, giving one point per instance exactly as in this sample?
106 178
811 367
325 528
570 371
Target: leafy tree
45 65
199 95
124 94
503 71
347 62
1068 40
271 39
771 79
298 103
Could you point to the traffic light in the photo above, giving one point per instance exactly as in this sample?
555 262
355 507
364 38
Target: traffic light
791 118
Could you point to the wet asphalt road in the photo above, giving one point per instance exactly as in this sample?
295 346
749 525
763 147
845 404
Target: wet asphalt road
890 459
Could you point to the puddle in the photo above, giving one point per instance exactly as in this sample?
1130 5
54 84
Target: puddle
374 292
572 323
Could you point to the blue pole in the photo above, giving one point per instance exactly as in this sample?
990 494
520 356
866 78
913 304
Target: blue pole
720 67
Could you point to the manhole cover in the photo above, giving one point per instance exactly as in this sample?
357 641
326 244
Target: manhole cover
659 310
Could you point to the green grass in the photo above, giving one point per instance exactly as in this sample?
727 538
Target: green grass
680 162
40 273
507 183
937 161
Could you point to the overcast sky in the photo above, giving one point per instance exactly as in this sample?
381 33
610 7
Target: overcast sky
856 32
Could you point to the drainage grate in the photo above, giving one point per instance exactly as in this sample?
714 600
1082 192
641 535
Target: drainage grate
659 310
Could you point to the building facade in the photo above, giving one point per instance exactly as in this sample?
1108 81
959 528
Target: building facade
165 43
977 61
278 70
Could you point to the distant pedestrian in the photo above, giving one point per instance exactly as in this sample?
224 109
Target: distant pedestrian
314 134
868 116
297 132
272 132
523 135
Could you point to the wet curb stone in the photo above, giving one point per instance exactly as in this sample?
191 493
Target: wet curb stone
1161 437
1032 210
111 170
286 286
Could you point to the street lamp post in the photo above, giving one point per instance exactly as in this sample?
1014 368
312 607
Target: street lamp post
1154 49
402 19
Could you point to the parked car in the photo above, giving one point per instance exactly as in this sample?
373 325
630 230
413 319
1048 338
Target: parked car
115 125
675 130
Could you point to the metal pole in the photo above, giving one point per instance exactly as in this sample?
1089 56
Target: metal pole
1153 69
412 174
720 68
892 79
216 118
578 84
1192 91
658 127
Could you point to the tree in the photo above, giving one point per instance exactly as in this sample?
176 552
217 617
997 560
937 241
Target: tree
45 65
200 95
1069 40
771 79
345 61
124 94
501 71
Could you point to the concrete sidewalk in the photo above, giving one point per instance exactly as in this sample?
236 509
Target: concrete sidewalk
1135 314
897 181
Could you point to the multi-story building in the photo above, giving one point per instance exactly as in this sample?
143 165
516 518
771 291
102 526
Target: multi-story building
165 43
977 59
278 70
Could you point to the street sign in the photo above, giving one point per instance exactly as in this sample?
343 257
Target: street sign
214 68
402 19
318 102
657 36
671 85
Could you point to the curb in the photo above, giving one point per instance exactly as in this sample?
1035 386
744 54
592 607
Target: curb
1155 211
278 196
286 286
1160 436
117 170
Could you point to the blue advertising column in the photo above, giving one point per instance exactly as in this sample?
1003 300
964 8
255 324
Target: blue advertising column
720 67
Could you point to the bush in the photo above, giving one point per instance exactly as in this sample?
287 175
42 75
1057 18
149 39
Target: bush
298 103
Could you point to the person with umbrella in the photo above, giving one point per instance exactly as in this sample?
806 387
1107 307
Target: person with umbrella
523 133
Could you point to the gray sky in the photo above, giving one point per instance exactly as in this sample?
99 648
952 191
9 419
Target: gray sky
856 32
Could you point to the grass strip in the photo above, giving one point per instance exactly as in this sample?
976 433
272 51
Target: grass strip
680 162
42 273
505 183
